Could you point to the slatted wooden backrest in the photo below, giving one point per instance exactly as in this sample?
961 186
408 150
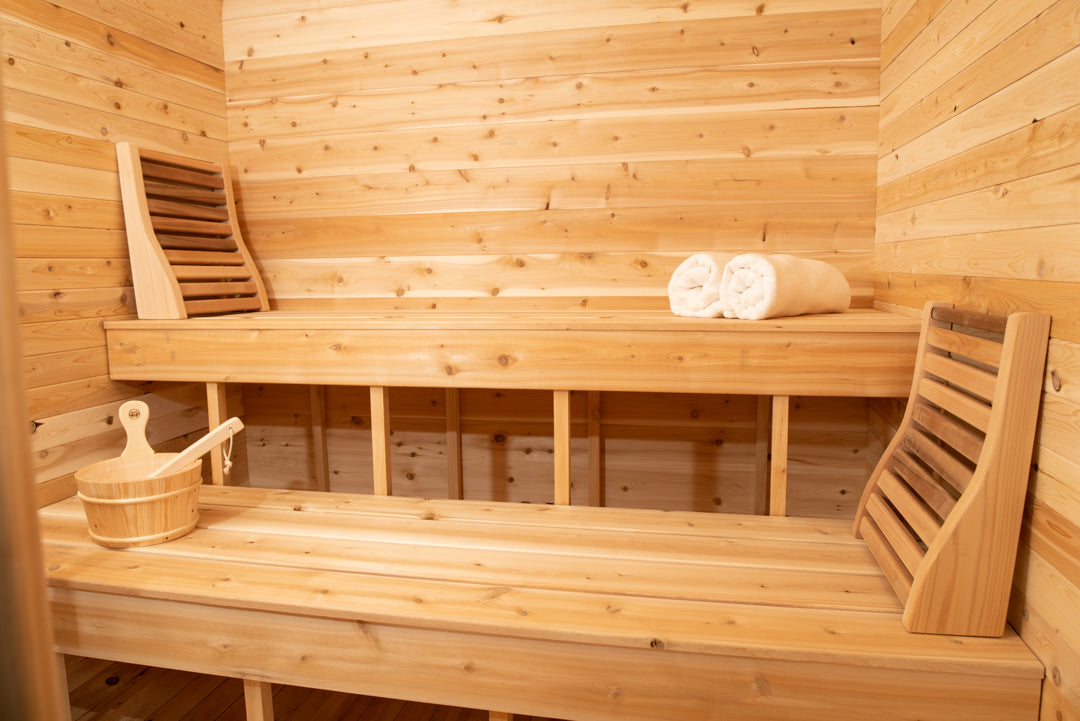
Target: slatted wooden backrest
942 511
187 256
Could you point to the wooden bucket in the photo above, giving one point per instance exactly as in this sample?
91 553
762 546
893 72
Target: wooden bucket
126 509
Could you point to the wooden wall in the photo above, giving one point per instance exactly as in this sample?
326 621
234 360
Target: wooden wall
435 154
78 77
978 202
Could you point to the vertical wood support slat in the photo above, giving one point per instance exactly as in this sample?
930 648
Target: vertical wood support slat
455 485
29 687
596 452
562 447
217 411
320 455
761 456
500 716
65 693
779 469
258 700
380 440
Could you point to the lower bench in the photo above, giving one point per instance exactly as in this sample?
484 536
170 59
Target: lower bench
556 611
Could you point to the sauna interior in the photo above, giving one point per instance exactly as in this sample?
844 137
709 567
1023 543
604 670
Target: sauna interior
472 155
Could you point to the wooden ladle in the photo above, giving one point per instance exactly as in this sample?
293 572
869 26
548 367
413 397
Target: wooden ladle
200 447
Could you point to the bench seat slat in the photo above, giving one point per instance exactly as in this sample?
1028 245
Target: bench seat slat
640 577
600 545
635 523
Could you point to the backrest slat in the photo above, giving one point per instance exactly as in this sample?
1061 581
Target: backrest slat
158 206
217 306
953 432
983 350
903 542
191 226
964 376
187 254
202 257
211 272
959 404
923 522
969 318
183 175
945 464
194 242
945 503
906 467
895 572
210 290
186 193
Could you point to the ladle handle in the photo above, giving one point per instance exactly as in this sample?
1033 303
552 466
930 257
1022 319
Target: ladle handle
200 447
133 417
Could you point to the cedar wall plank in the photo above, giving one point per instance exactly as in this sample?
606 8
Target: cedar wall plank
79 76
428 154
976 196
609 129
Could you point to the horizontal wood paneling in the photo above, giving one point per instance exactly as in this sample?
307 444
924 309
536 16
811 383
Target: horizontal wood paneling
976 204
80 75
609 130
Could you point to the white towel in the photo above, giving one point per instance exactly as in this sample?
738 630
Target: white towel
695 288
769 286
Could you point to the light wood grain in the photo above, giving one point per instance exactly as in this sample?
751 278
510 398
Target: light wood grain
32 688
533 617
380 439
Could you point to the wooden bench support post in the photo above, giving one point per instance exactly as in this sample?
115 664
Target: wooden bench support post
596 452
455 486
217 411
500 716
778 472
562 447
320 456
65 693
761 456
380 439
258 700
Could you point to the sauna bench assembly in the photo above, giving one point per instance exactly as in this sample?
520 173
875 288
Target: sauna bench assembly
858 353
590 614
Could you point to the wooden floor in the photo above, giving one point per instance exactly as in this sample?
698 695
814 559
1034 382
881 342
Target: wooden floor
111 691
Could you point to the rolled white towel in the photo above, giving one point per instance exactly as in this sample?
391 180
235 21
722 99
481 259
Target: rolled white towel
770 286
695 288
